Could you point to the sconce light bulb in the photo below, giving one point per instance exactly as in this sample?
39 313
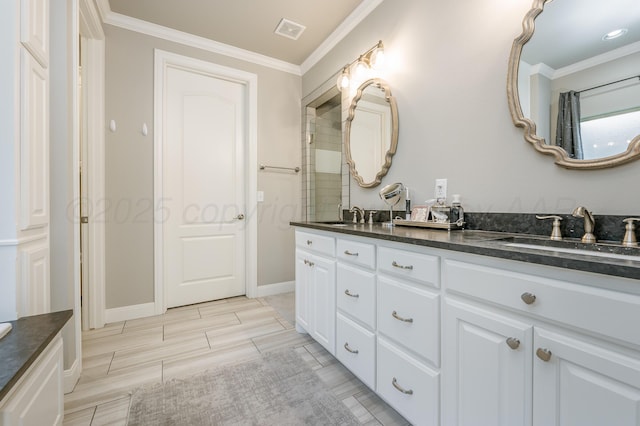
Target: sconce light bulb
378 58
361 68
343 79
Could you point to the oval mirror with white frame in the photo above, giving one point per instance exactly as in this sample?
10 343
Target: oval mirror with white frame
569 59
371 133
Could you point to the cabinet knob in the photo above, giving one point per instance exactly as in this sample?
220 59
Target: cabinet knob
528 298
348 293
513 343
309 242
395 384
348 253
353 351
397 265
399 318
544 354
308 262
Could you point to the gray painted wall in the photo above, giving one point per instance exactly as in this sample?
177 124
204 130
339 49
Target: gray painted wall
129 165
448 72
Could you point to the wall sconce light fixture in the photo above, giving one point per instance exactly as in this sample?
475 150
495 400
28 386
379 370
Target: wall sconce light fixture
371 59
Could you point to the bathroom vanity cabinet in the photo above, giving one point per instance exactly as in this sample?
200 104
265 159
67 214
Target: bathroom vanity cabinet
526 348
453 338
31 376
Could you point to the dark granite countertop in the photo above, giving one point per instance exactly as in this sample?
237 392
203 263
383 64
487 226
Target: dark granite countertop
495 244
24 343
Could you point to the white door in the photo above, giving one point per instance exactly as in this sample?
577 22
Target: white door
581 384
486 368
203 194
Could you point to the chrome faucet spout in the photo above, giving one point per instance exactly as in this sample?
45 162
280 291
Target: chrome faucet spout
589 223
355 210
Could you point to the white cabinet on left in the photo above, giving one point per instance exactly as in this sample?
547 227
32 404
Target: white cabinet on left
316 287
38 398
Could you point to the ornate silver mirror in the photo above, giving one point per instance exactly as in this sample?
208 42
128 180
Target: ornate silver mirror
371 136
574 81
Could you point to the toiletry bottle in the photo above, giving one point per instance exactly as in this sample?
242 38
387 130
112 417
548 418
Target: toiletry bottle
407 201
457 212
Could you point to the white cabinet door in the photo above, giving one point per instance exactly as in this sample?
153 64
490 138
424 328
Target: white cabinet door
316 298
486 367
323 302
303 279
577 383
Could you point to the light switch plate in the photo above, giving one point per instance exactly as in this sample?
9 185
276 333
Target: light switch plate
441 189
260 196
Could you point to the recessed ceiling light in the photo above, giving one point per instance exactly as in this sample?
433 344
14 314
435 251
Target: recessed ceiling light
289 29
615 34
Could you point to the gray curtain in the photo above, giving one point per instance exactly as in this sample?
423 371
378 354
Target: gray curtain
568 131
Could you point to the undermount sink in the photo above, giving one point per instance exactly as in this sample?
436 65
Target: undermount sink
333 223
602 250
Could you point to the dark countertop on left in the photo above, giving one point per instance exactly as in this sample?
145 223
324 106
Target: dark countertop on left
25 342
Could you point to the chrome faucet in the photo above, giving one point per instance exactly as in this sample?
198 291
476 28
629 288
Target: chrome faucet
589 223
355 210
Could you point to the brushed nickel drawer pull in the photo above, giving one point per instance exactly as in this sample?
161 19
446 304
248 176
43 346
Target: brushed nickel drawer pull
513 343
348 253
353 351
528 298
309 242
544 354
399 318
395 384
397 265
348 293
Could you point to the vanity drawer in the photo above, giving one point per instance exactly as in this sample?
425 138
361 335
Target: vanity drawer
356 349
362 254
317 243
609 313
416 266
408 386
356 293
411 317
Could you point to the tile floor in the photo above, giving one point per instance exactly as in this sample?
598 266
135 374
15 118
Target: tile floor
187 340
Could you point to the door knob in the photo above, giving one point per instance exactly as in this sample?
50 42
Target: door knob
239 217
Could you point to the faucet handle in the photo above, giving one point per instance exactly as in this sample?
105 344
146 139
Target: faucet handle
371 213
556 234
629 239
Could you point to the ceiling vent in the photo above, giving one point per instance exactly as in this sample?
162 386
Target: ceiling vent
289 29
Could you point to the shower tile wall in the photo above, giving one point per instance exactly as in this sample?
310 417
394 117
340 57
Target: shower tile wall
328 162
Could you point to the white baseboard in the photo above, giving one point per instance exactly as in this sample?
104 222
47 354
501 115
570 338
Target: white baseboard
71 377
130 312
276 288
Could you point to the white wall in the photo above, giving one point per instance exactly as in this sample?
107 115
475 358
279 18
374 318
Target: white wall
129 165
448 72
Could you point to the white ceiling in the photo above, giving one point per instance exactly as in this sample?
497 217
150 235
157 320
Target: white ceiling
570 31
247 24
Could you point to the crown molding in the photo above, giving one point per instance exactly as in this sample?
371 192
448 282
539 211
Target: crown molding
159 31
543 69
620 52
350 22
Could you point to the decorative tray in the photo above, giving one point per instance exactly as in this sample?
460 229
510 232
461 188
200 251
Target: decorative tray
434 225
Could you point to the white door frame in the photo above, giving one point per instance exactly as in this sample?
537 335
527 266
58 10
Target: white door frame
93 104
162 61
